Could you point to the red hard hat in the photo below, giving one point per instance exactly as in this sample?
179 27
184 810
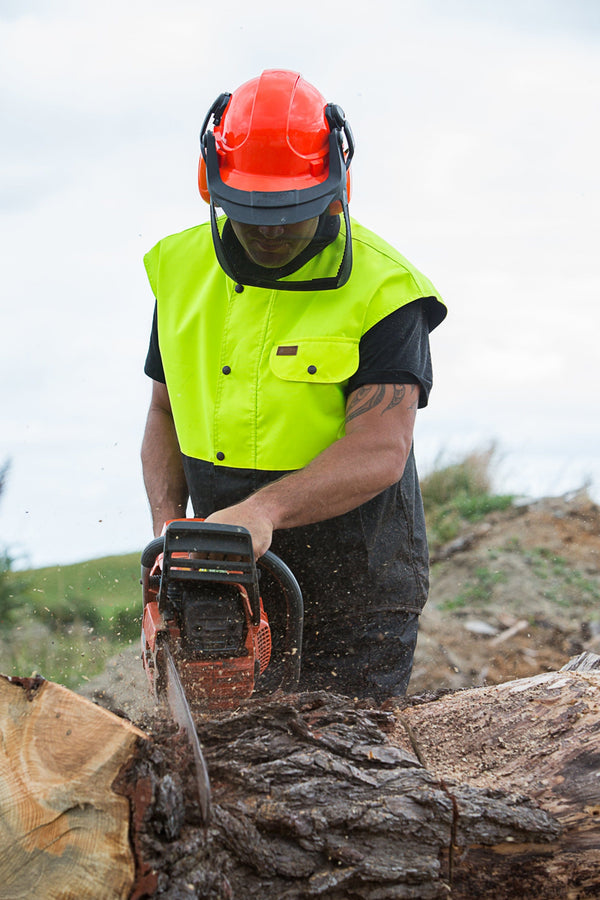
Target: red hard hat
277 153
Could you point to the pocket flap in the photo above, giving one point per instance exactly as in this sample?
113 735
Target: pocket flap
322 360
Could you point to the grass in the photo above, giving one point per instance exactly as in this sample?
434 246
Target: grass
103 593
554 580
65 622
477 591
565 585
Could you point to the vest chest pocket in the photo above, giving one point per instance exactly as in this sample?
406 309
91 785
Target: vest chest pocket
319 360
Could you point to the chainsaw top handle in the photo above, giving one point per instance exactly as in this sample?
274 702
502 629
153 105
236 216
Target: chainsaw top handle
151 551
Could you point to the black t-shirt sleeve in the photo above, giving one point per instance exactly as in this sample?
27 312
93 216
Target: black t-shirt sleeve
396 351
153 366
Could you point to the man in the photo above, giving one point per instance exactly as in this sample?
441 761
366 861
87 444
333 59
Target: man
289 354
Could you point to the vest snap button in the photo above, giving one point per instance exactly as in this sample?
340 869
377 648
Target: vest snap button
239 288
226 370
220 455
311 370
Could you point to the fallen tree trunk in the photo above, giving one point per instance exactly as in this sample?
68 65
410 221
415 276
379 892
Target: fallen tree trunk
316 795
312 800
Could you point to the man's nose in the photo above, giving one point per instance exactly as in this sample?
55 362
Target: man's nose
271 231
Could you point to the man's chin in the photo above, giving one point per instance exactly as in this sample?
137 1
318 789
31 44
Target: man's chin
271 260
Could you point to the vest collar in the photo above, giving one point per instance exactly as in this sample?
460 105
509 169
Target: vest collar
235 264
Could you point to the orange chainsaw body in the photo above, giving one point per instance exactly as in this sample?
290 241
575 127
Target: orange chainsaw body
219 643
204 616
217 683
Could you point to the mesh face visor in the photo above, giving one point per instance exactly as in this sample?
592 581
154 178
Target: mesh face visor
283 207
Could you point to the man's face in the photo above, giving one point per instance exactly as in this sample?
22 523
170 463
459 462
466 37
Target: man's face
273 246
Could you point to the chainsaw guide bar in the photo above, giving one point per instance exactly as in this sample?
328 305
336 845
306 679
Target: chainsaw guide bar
206 639
180 710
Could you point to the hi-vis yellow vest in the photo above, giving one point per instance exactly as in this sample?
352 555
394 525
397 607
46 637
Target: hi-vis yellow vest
256 377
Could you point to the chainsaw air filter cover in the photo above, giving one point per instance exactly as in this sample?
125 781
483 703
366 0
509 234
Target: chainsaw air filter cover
213 622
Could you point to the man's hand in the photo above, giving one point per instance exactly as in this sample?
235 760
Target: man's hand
248 516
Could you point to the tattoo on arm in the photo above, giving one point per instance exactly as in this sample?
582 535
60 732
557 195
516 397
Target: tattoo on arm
371 395
400 393
364 399
399 390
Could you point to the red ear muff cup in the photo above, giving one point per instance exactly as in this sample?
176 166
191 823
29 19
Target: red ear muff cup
202 182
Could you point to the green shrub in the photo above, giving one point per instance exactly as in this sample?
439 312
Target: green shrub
459 493
468 477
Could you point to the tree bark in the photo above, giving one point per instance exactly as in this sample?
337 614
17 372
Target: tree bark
311 799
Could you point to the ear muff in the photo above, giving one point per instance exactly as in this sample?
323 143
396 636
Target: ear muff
336 207
202 182
216 114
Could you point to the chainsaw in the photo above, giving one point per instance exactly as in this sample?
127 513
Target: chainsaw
206 639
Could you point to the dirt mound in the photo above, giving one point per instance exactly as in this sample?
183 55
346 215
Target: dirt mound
516 595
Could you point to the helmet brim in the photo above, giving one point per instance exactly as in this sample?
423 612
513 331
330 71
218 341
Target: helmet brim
275 207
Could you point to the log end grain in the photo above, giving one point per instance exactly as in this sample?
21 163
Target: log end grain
64 832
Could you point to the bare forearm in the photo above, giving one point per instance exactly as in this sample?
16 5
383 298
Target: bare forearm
344 476
370 457
164 477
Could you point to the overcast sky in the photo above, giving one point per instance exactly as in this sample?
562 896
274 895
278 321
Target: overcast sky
477 136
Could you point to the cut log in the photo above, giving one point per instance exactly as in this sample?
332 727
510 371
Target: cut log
485 793
538 737
64 832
